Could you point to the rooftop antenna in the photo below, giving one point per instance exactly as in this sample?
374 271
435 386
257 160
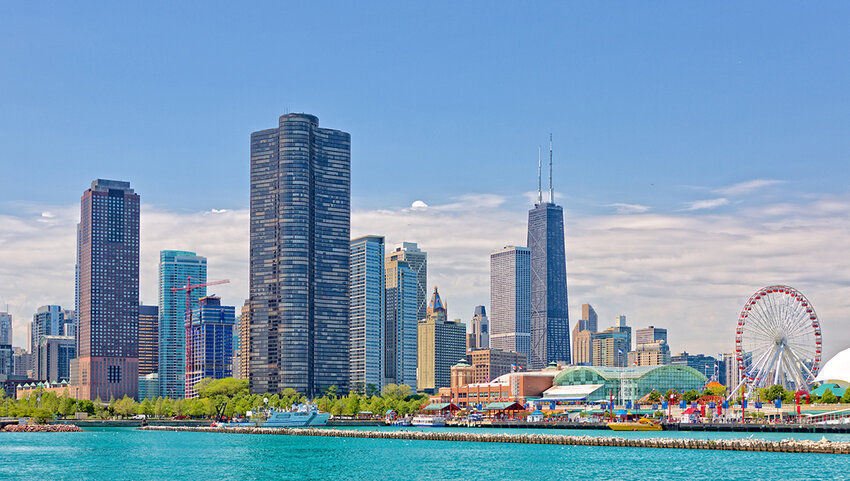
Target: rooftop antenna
551 189
539 177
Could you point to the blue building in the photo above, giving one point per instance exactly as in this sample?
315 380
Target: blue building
401 322
366 313
300 234
550 322
176 268
210 343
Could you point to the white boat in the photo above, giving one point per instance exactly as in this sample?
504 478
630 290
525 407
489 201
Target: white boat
302 417
425 420
401 422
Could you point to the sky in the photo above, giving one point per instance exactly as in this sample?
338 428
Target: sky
700 150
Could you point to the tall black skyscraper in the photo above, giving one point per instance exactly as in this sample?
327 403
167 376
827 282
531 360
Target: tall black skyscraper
300 227
550 323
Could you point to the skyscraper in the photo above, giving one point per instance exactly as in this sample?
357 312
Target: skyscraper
5 328
47 321
441 344
510 301
417 260
649 335
54 355
300 225
175 270
108 287
621 327
210 343
550 323
148 339
366 313
479 338
244 343
589 319
400 328
610 348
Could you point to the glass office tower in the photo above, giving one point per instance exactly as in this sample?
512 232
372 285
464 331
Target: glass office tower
300 227
175 270
366 311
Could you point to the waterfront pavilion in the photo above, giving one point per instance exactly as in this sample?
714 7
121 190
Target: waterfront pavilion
598 383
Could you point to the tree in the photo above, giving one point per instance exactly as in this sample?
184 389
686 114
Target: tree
774 392
691 395
845 399
654 397
828 397
228 387
67 408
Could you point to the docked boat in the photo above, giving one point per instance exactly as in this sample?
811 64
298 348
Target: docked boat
401 422
424 420
302 417
643 424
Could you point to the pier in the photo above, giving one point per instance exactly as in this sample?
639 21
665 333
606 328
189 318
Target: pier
785 446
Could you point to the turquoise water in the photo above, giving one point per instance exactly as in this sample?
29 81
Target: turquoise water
123 453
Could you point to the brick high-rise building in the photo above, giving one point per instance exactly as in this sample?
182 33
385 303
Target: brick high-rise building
107 365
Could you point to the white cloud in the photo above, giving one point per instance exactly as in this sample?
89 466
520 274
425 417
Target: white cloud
629 208
705 204
748 187
418 205
687 272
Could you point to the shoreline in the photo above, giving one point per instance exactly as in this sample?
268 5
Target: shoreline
784 446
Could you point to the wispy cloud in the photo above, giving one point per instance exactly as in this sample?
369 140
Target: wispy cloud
748 187
689 273
629 208
705 204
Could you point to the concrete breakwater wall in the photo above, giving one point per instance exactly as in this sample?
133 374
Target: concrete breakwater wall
784 446
41 428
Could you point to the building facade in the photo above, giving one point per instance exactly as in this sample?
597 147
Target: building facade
47 321
5 328
550 322
589 320
488 364
417 260
610 348
649 335
243 343
707 365
7 360
401 323
299 254
582 347
176 269
510 299
441 344
209 346
366 289
148 339
651 354
479 338
54 355
107 339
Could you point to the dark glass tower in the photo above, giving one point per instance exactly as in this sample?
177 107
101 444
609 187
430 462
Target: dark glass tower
300 226
550 322
108 285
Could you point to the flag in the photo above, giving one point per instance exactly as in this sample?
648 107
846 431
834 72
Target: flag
620 351
513 366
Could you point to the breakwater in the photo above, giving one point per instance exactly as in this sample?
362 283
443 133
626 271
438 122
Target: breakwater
41 428
784 446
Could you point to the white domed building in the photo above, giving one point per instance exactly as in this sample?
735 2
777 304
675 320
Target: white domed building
837 370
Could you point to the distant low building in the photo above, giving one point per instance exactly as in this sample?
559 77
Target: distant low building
652 354
54 354
595 383
488 364
707 365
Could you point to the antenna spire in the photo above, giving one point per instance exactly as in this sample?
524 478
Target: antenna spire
539 176
551 189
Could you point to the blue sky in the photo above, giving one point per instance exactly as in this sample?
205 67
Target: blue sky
668 113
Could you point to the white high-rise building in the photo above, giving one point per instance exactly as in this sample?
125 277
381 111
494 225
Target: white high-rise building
510 299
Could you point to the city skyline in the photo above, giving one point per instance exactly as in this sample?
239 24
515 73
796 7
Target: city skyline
677 162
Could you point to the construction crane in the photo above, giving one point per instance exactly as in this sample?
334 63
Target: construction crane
189 287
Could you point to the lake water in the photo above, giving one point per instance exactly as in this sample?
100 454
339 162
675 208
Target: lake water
124 453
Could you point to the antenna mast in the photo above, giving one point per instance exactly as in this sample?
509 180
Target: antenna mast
539 176
551 189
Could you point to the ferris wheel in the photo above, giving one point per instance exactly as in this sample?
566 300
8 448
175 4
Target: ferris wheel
778 339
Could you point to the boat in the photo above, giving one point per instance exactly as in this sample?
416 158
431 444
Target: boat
424 420
644 424
401 422
303 416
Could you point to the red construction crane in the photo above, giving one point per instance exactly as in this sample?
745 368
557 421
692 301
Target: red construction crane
189 287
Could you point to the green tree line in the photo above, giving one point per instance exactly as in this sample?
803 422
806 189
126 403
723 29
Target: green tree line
212 395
